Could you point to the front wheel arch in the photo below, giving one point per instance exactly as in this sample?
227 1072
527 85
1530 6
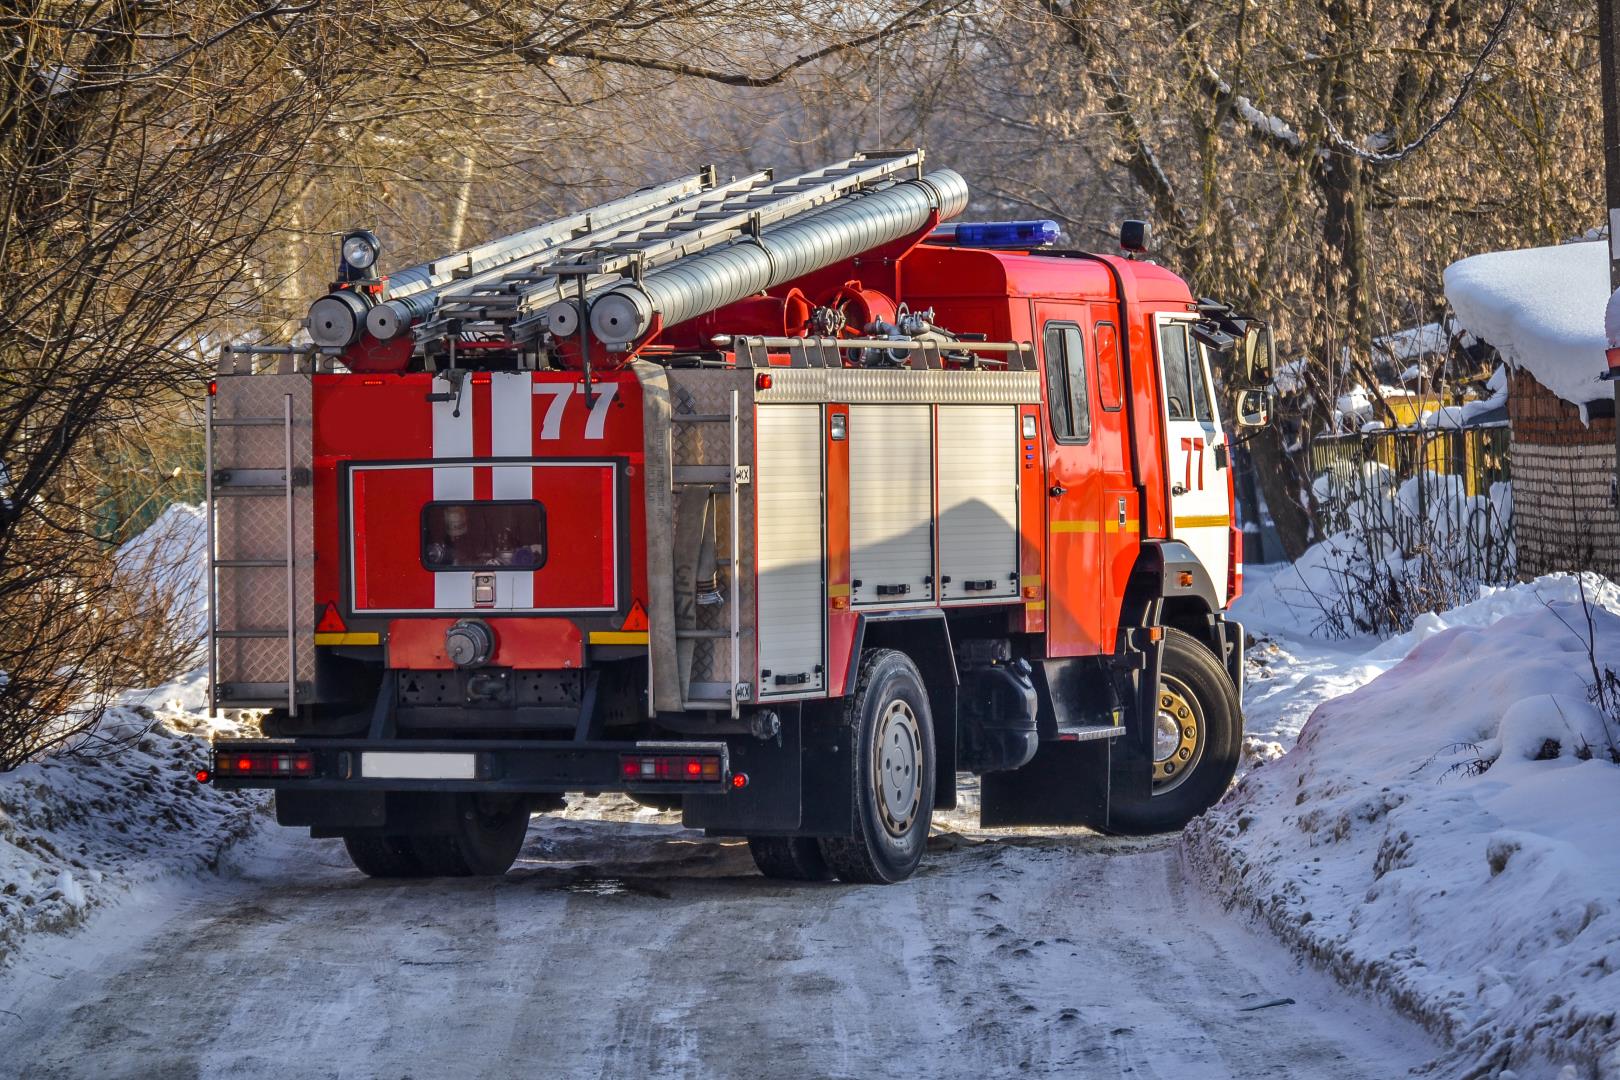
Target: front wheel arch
1189 667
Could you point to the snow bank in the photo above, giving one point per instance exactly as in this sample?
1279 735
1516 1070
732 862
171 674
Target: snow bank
1542 308
1443 835
170 554
78 830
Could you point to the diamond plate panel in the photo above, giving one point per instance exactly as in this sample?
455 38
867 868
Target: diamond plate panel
709 392
249 526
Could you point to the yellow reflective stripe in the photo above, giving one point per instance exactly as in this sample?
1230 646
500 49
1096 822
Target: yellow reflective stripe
359 637
1202 521
838 590
1029 580
618 637
1109 525
1035 605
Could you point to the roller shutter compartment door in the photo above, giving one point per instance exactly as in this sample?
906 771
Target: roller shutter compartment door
891 504
978 501
791 583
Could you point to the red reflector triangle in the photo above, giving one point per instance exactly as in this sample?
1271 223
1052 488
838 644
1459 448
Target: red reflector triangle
331 622
637 619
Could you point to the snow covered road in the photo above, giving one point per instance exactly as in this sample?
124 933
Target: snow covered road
636 948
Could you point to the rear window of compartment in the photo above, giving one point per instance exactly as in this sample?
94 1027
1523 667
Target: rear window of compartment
484 535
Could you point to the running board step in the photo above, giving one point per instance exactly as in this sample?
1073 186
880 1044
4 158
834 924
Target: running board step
1089 732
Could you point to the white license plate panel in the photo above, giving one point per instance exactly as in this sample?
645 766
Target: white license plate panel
387 765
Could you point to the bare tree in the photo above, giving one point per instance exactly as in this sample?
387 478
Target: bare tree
172 176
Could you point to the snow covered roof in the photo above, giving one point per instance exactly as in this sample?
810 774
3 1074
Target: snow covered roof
1542 308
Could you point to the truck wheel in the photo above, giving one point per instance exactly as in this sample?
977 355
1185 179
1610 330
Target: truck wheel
894 773
789 858
1197 735
383 856
484 841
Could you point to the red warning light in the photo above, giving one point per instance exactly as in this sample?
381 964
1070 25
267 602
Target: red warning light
739 780
763 380
213 387
202 776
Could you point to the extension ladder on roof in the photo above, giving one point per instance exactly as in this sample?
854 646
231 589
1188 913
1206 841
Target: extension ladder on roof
513 298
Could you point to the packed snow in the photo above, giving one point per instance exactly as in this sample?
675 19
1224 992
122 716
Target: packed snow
1428 819
81 828
1543 310
1442 832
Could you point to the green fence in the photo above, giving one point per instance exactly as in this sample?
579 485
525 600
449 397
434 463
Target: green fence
1423 490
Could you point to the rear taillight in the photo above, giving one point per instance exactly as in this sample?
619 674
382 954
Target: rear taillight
669 768
264 763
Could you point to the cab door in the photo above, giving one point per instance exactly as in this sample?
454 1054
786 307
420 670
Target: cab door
1074 489
1196 455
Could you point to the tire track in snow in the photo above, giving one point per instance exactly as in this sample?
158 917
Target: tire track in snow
640 949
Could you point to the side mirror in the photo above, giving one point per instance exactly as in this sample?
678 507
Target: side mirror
1253 408
1257 353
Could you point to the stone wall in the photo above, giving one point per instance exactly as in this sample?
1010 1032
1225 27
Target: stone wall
1564 516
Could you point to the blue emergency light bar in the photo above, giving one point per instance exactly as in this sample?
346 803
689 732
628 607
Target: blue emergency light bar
998 234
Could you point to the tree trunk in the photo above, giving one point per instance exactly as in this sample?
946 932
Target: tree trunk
1281 482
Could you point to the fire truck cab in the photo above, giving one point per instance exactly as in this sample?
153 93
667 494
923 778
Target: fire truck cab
779 502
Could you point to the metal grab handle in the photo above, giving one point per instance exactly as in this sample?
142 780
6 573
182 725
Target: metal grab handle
208 519
292 600
1057 491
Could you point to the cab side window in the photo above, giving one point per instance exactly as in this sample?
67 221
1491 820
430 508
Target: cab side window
1174 354
1067 394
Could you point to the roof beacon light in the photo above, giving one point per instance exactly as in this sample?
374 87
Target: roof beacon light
1006 234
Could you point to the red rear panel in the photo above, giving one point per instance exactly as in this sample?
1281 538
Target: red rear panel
514 496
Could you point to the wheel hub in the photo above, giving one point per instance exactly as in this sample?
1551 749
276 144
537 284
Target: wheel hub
895 760
1178 735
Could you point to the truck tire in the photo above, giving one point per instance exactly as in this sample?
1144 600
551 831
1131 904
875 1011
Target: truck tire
1198 734
383 856
486 836
789 858
893 739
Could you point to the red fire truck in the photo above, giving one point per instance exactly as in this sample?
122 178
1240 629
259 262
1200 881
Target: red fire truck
781 502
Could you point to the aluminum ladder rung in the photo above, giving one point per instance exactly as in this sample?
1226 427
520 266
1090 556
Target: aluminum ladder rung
246 564
279 634
702 635
248 421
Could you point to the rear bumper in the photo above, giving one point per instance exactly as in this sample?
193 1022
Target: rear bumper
509 766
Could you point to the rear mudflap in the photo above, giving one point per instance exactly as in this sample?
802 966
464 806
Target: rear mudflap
799 784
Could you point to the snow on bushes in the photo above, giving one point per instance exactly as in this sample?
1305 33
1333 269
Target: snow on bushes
1444 835
1398 548
119 804
79 829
